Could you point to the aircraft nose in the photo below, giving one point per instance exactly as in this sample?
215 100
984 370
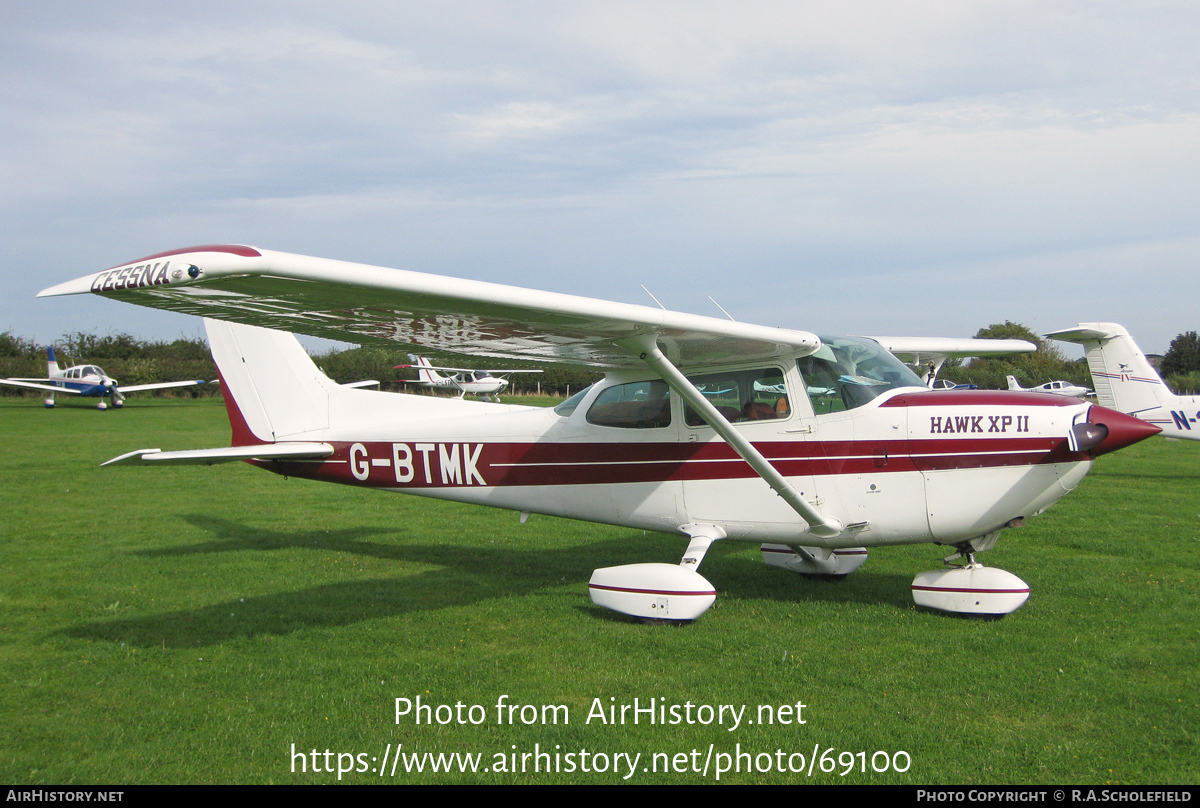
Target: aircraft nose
1123 430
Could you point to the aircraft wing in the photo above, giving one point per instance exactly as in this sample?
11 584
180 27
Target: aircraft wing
948 346
35 386
160 386
366 304
269 451
462 370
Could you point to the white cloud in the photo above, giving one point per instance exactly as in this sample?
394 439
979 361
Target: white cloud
813 148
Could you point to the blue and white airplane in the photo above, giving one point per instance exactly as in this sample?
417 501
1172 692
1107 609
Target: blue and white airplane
1126 381
86 380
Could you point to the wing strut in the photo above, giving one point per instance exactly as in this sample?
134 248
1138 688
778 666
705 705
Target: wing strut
646 348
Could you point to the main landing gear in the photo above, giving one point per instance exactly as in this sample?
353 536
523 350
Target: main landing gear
660 592
970 589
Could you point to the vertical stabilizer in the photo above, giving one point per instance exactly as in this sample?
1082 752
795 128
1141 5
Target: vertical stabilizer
1013 384
1124 379
51 362
273 391
424 373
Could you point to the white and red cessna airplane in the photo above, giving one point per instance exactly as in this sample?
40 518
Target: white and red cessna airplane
482 383
88 381
1126 381
687 434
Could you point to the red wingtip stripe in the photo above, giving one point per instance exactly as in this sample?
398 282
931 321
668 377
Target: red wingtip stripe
232 249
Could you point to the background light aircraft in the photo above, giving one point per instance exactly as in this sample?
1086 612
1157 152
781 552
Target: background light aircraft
86 380
1057 388
1126 381
856 452
483 383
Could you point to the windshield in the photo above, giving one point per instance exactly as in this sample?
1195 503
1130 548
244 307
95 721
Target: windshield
567 407
848 372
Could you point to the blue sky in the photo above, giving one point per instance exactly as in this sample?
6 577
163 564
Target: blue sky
908 168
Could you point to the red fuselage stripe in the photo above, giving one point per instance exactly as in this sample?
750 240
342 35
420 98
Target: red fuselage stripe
428 464
649 591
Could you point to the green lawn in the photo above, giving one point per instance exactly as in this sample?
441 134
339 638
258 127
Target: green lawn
185 625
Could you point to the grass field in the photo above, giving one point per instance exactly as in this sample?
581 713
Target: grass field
190 625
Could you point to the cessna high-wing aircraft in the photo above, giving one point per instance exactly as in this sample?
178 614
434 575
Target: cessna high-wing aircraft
856 452
1126 381
1057 388
87 381
482 383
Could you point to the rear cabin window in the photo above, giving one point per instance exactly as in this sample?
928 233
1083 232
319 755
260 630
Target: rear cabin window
742 395
637 405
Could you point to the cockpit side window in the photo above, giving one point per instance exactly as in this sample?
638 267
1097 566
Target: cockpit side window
636 405
846 373
742 395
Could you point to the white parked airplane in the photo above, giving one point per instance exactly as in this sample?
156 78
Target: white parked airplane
88 381
1057 388
483 383
1126 381
856 453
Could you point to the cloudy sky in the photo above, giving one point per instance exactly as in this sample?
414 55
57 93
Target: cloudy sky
910 168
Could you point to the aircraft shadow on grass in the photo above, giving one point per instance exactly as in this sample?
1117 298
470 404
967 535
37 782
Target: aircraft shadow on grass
464 576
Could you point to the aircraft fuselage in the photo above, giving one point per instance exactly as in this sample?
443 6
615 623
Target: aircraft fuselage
911 466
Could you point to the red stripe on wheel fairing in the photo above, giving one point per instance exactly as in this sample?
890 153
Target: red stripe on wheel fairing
648 591
970 591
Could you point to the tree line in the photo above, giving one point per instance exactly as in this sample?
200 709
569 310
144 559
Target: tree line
135 361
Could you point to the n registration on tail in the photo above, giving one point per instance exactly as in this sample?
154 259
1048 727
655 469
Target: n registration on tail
817 448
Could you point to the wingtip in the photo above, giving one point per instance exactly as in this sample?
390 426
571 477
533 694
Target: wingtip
79 286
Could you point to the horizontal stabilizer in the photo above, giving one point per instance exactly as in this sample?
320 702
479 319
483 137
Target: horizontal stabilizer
228 454
1087 332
